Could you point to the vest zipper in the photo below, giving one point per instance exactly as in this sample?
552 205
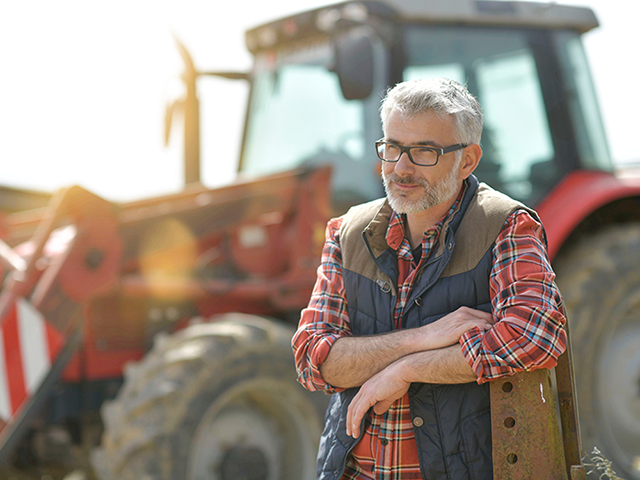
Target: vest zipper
415 294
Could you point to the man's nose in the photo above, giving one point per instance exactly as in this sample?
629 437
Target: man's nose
404 166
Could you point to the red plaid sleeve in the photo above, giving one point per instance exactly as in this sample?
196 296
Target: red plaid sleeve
527 307
325 319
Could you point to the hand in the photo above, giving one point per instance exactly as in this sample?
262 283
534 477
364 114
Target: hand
379 392
447 330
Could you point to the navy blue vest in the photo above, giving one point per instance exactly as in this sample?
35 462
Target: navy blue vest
454 432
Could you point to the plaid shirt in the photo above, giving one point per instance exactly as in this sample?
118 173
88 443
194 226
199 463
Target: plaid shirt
528 331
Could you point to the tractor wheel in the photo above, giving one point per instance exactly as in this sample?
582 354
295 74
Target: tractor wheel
600 282
215 401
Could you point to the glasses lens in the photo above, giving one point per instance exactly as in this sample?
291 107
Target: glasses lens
420 155
388 152
424 156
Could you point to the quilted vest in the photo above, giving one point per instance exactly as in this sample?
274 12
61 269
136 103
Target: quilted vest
452 423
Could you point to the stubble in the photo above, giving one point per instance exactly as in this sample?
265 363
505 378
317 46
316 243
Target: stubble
433 194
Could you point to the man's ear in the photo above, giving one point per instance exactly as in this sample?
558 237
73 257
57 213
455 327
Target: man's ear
470 158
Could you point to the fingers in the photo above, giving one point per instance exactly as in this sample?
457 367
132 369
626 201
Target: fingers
447 330
382 406
483 322
479 314
359 406
466 318
380 392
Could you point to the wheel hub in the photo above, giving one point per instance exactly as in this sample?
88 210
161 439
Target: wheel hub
244 463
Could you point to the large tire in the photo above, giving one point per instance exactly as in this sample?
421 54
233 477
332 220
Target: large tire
600 282
216 401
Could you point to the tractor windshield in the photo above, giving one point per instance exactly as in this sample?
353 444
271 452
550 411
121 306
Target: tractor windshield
299 117
502 67
499 67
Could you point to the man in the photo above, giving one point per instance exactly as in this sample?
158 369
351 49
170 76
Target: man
422 298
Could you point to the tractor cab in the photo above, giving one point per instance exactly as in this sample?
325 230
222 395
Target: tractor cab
318 79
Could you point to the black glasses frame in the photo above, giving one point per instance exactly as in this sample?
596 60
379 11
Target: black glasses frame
438 151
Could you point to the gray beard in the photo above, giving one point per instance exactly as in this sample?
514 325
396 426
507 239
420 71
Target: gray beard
435 194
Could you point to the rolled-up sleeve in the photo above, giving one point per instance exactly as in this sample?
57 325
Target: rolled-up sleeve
527 307
325 319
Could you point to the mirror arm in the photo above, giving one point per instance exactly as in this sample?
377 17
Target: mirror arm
227 75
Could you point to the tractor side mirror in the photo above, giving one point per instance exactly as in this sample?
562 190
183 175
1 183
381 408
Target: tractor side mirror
354 64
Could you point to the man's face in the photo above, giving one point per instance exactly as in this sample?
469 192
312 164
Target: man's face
411 188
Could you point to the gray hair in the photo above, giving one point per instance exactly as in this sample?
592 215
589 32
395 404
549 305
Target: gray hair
440 95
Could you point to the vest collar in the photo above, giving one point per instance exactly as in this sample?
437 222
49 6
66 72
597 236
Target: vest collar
375 232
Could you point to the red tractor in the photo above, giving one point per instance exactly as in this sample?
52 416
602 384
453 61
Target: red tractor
172 317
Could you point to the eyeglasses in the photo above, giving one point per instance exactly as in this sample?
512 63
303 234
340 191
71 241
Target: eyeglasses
418 155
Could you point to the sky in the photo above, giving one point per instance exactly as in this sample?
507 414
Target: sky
84 86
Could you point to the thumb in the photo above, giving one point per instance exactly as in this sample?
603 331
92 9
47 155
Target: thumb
382 406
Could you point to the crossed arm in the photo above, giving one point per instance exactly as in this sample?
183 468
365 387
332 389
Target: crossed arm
528 331
386 365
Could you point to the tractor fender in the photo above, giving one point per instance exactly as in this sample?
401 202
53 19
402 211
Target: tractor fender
576 197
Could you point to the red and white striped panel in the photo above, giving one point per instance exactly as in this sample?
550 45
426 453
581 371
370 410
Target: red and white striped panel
28 347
